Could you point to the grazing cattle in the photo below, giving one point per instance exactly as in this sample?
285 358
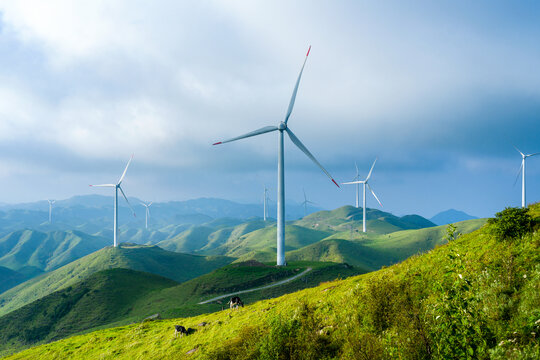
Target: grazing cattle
179 329
234 302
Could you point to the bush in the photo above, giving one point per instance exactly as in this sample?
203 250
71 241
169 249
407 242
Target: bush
511 223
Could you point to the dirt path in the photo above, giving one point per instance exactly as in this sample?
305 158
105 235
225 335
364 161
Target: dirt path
258 288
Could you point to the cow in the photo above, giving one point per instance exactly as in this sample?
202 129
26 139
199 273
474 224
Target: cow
179 329
234 302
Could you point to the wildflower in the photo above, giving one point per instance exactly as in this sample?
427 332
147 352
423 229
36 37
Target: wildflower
461 277
525 276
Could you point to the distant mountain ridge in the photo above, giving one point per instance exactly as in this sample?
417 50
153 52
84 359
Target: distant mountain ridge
451 216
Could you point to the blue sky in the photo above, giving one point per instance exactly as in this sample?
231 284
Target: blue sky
438 91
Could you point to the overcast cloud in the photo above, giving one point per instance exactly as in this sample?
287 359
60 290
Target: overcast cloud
439 91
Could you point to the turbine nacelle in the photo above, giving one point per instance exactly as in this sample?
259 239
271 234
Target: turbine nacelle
282 126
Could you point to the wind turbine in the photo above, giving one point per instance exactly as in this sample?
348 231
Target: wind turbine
147 211
50 209
265 203
306 202
116 187
522 169
365 182
282 127
357 186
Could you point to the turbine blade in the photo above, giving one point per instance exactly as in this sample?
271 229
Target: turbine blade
249 134
373 192
125 197
151 202
519 172
519 151
357 173
533 154
301 146
353 182
125 170
103 185
371 170
305 197
293 97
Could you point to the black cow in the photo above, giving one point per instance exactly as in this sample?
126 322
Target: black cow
179 329
234 302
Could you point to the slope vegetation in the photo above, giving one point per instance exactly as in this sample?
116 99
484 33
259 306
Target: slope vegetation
104 297
474 298
46 250
151 259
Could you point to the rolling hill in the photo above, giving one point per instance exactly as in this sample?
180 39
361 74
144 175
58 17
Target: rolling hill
9 278
46 250
476 297
102 298
151 259
122 296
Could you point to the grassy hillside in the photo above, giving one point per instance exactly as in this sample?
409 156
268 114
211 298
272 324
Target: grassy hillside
46 250
371 251
151 259
122 296
475 298
9 278
102 298
379 222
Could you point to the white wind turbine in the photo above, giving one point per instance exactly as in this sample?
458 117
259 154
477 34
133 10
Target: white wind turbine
116 187
51 202
265 203
306 202
522 170
147 211
365 182
282 127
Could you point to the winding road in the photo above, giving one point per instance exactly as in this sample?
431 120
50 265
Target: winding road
258 288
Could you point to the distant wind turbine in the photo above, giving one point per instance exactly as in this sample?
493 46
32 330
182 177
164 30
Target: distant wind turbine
147 211
522 170
116 187
365 182
265 203
306 202
51 202
282 127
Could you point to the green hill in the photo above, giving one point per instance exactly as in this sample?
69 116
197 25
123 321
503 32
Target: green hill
9 278
474 298
151 259
102 298
371 251
122 296
379 222
46 251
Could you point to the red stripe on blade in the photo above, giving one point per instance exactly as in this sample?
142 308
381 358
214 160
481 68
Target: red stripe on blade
308 51
217 143
335 183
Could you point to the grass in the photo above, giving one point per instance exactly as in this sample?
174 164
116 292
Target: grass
151 259
122 296
474 298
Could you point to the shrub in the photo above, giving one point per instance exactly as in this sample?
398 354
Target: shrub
511 223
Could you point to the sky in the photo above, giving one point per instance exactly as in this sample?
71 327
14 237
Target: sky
438 92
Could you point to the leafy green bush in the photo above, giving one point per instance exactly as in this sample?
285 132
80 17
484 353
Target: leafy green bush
511 223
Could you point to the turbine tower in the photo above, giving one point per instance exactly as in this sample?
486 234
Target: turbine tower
283 127
265 203
116 187
50 209
522 170
306 202
147 212
365 182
